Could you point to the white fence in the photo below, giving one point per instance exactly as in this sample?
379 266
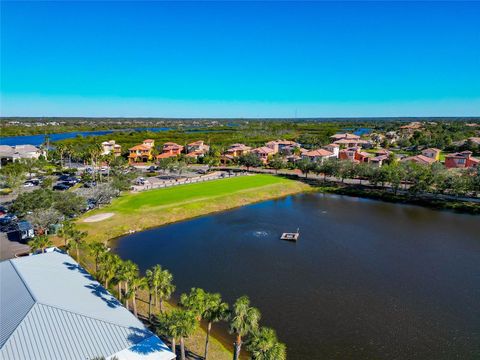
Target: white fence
169 183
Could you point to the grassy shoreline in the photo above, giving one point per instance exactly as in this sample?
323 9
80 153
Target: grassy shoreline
153 208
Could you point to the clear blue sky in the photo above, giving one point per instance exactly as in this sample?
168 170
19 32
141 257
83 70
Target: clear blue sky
240 59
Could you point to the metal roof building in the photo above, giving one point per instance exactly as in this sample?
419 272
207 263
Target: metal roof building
52 309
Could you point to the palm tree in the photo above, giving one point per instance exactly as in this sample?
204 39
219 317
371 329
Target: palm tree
244 320
109 265
167 326
194 302
97 250
65 230
215 310
186 323
61 151
78 239
40 243
124 272
135 283
166 288
153 277
264 345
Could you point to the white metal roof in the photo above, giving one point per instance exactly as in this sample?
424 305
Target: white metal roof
51 308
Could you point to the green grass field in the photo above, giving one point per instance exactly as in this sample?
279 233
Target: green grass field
139 211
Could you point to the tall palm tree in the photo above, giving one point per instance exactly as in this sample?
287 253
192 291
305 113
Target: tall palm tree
215 310
97 250
109 265
126 270
40 243
166 288
135 283
194 302
65 231
60 148
166 325
264 345
186 323
244 320
78 239
153 277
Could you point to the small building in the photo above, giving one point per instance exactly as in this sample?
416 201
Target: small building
14 153
460 160
236 150
432 153
354 154
263 153
53 309
419 159
318 155
346 136
285 147
110 147
142 152
197 149
170 149
333 148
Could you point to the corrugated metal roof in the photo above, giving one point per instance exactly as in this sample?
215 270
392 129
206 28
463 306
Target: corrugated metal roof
48 333
56 310
15 300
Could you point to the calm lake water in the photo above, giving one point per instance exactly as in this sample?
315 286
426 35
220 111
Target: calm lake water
39 139
366 280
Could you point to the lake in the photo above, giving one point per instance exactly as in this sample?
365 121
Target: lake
39 139
366 280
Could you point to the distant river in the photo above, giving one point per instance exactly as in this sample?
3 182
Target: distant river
39 139
366 280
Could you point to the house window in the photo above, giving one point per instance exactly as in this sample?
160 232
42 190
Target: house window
461 161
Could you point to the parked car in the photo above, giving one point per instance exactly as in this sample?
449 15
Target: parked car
90 184
7 219
28 184
3 210
61 187
140 181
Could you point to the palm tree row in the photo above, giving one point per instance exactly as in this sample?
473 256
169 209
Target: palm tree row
194 307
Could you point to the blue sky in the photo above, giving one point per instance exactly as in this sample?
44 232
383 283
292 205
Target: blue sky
232 59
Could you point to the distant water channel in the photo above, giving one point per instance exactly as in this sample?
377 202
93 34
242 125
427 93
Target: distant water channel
366 280
40 138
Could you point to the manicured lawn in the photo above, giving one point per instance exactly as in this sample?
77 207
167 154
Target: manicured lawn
139 211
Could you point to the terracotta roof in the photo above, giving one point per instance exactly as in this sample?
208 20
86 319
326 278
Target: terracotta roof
165 156
332 145
345 136
198 142
347 141
432 149
420 159
463 154
263 149
140 147
318 153
148 141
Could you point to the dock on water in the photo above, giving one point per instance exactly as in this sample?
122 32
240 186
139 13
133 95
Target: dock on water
291 236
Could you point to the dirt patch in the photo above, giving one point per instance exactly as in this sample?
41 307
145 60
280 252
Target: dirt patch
98 217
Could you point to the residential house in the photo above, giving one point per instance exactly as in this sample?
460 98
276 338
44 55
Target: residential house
109 147
410 128
333 148
197 149
318 155
432 153
170 149
142 152
346 136
263 153
381 156
354 154
236 150
14 153
419 159
285 147
53 309
462 159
